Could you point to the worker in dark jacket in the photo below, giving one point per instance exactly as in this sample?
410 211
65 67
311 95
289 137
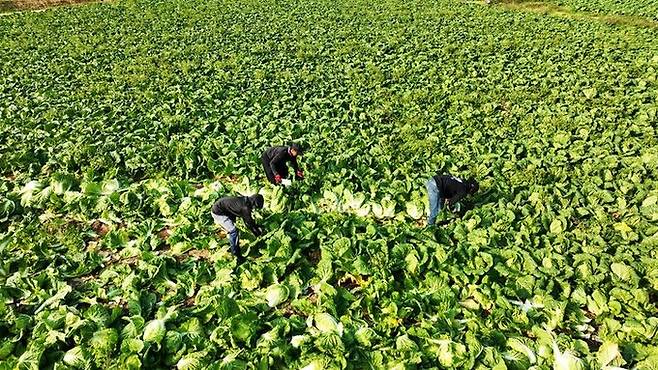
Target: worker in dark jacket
225 212
449 190
275 162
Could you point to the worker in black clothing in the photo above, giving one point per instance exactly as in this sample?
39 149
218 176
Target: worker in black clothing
449 190
275 161
227 209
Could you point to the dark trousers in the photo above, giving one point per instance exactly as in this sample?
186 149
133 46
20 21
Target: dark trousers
281 169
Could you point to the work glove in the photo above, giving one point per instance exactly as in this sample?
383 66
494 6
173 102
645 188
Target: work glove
299 174
277 179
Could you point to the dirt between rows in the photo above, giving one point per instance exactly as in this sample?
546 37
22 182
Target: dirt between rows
549 8
22 5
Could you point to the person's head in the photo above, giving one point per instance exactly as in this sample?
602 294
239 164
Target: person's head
473 186
296 149
257 200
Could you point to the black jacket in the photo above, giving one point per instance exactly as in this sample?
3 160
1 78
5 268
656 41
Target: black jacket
451 188
278 156
233 207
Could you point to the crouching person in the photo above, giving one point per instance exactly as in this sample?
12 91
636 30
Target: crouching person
447 190
275 162
225 212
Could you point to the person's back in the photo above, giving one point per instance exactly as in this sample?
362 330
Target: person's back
226 210
451 186
230 206
275 151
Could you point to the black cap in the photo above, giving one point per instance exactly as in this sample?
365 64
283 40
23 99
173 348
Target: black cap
297 147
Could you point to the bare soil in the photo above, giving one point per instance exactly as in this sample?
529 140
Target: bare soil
165 233
564 12
23 5
98 226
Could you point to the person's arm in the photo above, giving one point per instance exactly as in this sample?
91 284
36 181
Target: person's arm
276 159
293 162
249 221
465 207
298 172
456 198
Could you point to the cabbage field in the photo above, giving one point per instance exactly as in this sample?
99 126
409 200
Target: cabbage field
121 123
